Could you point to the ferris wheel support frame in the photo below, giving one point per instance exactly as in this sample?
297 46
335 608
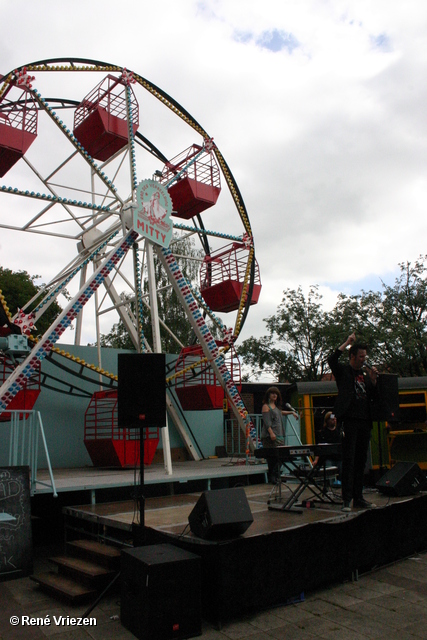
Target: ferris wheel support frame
214 358
21 374
157 343
208 344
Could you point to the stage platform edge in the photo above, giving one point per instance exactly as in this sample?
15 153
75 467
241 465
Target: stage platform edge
281 555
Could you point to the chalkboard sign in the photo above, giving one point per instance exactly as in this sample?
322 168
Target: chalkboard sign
16 556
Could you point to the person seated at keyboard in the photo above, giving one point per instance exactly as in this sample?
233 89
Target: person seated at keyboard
330 434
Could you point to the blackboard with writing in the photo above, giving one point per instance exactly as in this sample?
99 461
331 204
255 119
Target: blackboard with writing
16 553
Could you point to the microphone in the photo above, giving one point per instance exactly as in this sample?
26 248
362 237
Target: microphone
290 408
371 368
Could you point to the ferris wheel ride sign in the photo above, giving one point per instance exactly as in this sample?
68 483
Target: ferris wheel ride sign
151 216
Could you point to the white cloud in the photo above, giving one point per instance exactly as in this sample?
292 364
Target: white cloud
317 106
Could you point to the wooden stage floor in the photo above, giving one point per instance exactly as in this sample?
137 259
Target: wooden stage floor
294 552
169 514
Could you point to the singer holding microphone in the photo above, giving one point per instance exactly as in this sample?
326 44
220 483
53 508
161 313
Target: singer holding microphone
357 388
273 432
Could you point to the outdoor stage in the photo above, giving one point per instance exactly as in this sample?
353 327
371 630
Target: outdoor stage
281 555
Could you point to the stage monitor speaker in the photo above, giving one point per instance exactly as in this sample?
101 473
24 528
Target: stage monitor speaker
404 479
141 396
161 592
386 406
222 513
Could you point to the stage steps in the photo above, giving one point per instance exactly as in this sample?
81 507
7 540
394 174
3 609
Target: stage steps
86 569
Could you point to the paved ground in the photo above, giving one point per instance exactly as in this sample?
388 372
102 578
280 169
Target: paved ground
388 603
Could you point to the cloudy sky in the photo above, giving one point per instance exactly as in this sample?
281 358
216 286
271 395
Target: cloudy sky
318 107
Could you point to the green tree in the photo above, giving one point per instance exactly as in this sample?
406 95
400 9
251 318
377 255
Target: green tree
18 287
356 313
402 321
118 337
295 345
393 322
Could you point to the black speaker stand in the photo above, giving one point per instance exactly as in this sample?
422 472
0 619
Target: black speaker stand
101 596
382 469
138 529
380 444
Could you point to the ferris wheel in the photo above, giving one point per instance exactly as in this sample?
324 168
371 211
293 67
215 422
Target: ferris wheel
106 172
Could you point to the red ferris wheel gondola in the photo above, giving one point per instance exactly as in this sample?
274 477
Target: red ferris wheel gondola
18 122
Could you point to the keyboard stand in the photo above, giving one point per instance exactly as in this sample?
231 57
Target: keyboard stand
308 478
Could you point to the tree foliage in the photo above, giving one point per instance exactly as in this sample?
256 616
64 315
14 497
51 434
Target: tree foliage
18 287
294 347
118 337
401 340
301 334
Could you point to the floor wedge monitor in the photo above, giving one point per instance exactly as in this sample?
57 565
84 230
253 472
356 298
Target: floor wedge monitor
404 479
222 513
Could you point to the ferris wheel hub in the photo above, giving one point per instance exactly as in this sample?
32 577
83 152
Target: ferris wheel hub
89 239
127 214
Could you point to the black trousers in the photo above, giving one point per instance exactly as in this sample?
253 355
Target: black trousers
355 444
273 465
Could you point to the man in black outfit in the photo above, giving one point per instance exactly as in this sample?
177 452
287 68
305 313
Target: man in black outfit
357 387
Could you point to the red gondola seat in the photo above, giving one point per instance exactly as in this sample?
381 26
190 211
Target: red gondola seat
198 186
26 397
18 128
197 386
222 277
101 119
109 446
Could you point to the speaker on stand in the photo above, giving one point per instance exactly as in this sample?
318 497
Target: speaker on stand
386 406
141 401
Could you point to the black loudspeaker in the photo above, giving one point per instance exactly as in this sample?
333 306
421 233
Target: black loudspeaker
141 397
223 513
404 479
386 406
161 592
